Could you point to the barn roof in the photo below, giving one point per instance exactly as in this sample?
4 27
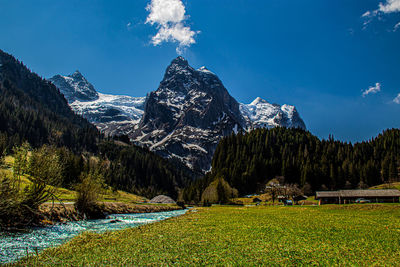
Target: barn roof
320 194
162 199
370 193
359 193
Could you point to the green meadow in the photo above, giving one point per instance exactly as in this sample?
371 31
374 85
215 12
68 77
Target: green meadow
263 235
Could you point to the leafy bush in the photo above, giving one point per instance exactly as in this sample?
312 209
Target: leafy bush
10 208
88 193
45 170
219 191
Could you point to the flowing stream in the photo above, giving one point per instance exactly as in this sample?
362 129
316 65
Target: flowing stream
15 245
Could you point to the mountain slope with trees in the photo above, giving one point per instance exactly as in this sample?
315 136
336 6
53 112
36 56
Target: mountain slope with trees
248 161
33 110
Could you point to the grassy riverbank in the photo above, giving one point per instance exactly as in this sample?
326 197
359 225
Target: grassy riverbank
326 235
67 195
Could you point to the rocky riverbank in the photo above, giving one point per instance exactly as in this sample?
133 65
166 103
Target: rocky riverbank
51 214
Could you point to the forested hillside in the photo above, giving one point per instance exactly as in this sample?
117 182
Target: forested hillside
33 109
135 169
248 161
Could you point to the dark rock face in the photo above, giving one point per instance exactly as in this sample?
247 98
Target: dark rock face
187 115
75 87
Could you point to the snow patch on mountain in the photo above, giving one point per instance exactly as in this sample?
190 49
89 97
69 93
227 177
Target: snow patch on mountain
75 87
261 114
128 107
112 114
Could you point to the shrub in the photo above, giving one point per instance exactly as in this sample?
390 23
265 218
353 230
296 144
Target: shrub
10 208
45 170
88 193
218 191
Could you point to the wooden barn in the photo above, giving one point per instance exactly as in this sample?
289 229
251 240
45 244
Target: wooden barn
350 196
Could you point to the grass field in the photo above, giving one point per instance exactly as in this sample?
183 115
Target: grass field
67 195
265 235
395 185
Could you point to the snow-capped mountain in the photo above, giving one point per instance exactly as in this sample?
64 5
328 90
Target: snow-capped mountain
75 87
112 114
183 119
261 114
187 115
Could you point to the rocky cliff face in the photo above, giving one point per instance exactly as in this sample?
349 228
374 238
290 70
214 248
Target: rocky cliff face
183 119
187 115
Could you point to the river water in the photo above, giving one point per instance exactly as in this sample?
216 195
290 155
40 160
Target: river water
16 245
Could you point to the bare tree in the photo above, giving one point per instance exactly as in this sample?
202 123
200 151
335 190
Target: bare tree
274 189
294 192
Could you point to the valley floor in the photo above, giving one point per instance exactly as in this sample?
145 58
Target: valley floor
222 235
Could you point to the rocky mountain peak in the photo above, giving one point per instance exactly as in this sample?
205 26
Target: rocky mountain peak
261 114
180 61
257 101
187 115
178 67
75 87
77 75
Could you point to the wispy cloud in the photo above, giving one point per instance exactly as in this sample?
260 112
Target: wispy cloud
389 6
372 90
169 16
397 99
396 27
129 26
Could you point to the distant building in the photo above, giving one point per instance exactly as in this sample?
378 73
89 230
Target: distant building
350 196
161 199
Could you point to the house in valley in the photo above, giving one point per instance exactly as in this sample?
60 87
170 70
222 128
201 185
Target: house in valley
350 196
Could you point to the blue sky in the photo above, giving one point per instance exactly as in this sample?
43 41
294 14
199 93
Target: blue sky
318 55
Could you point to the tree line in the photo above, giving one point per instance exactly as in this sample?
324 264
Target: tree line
248 161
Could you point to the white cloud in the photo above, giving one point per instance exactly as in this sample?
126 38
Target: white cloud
372 90
397 99
389 6
169 16
366 14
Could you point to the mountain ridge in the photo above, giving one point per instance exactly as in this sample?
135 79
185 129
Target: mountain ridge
183 119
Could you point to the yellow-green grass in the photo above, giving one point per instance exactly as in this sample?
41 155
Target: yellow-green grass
8 161
354 235
68 195
395 185
266 199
